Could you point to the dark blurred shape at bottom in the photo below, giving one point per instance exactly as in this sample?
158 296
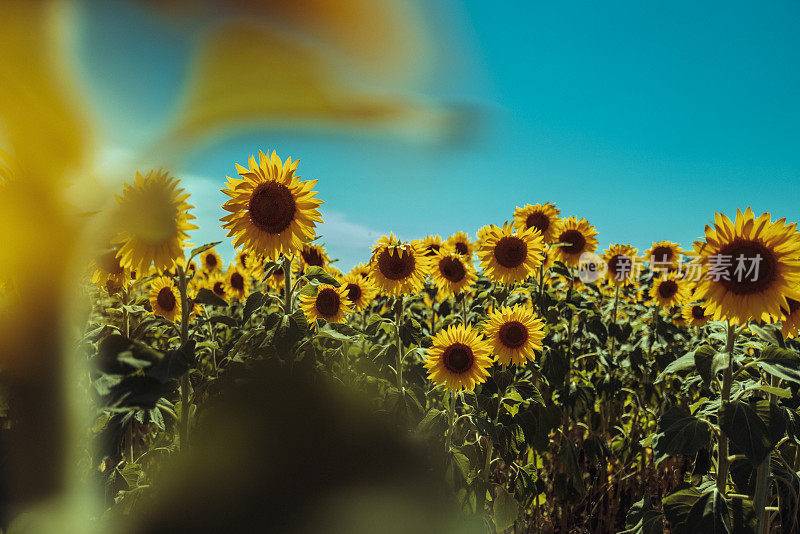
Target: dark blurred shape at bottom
279 451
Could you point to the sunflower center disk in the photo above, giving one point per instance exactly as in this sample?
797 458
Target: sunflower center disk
327 302
538 220
513 334
219 289
237 281
396 264
661 255
458 358
166 299
510 252
667 289
313 257
751 270
620 266
698 312
575 242
353 292
452 269
211 261
461 248
109 262
272 207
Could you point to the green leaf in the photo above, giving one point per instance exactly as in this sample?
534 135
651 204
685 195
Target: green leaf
206 296
679 432
709 514
782 363
505 509
223 319
338 331
681 364
745 429
202 248
677 507
320 275
642 518
254 302
709 362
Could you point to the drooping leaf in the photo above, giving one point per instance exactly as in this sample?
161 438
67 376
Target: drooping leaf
679 432
745 429
642 518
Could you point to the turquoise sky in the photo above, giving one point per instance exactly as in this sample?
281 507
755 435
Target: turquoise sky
643 117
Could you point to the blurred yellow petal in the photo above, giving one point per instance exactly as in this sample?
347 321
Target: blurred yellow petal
40 121
246 73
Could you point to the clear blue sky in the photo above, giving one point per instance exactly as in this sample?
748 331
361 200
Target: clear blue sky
643 117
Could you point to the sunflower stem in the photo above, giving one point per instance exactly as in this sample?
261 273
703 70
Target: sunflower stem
398 320
725 395
762 483
185 308
126 319
287 285
487 462
614 320
451 412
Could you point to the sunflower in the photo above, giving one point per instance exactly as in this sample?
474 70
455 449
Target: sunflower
108 272
430 245
272 211
620 263
397 268
578 237
670 290
276 280
237 281
152 220
359 291
515 333
507 256
314 256
250 263
165 298
461 244
451 272
695 314
543 217
790 319
218 284
329 303
458 358
362 270
750 267
663 256
211 261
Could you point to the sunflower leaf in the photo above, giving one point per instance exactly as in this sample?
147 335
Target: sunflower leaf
202 248
206 296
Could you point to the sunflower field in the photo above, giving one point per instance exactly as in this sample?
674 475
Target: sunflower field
520 380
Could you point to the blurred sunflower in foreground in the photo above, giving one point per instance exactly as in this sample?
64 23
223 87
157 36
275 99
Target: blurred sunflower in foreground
750 267
152 220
